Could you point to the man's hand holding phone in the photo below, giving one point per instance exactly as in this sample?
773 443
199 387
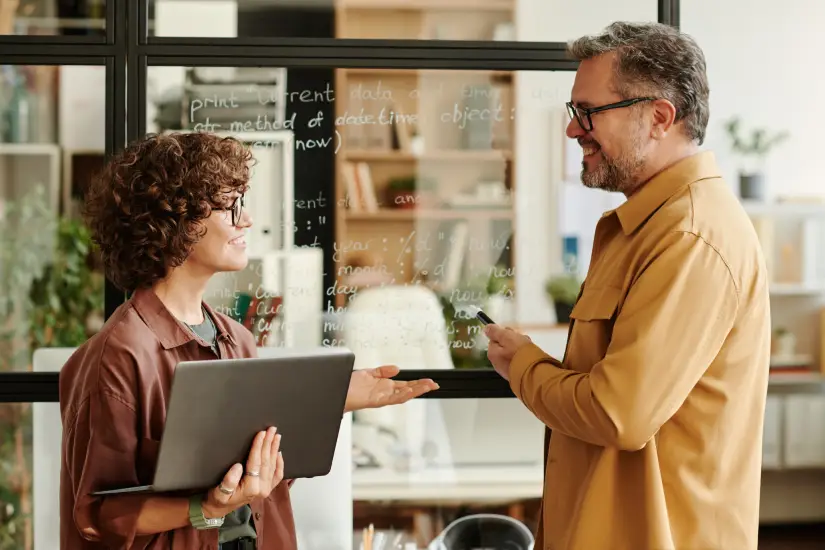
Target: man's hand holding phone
504 342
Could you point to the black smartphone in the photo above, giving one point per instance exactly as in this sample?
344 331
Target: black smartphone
484 318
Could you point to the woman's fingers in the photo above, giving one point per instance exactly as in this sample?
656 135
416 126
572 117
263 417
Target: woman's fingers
253 465
279 470
275 450
267 464
222 495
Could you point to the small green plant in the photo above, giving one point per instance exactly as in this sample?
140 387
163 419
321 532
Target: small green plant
411 183
755 145
563 289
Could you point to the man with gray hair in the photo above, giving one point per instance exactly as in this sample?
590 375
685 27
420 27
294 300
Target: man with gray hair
657 407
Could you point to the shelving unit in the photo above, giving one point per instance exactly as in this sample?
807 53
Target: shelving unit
447 130
792 232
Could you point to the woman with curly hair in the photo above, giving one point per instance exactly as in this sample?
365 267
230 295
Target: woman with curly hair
168 213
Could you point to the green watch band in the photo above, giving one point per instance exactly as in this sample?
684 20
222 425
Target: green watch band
196 515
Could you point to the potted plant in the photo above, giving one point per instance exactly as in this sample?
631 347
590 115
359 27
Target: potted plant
410 192
563 290
784 342
51 295
753 148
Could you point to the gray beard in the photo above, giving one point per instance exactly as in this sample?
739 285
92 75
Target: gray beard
616 176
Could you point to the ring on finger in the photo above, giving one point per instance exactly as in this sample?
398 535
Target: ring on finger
224 490
252 473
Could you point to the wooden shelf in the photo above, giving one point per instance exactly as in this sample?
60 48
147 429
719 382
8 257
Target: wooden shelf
367 163
441 5
411 214
791 379
381 155
496 76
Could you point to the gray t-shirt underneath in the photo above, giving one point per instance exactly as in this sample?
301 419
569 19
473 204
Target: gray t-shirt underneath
238 523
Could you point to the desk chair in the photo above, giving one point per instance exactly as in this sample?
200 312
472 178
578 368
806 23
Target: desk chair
403 326
322 506
484 531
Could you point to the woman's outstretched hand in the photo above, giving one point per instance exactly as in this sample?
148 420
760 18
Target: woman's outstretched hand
373 388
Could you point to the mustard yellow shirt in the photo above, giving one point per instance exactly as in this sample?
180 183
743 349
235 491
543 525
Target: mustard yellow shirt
657 408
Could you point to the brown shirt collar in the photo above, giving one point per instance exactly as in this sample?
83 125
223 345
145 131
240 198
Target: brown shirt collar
653 194
170 332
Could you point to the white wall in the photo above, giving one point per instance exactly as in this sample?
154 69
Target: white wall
763 64
546 209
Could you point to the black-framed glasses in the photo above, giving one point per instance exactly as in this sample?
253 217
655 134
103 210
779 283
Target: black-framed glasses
236 208
583 115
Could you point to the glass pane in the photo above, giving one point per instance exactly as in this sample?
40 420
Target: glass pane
53 17
51 138
403 189
51 284
531 20
16 474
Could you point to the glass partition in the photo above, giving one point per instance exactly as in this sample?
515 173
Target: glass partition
386 204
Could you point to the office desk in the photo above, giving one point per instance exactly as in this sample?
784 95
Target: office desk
465 484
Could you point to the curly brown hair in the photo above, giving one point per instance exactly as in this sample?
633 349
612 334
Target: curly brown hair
145 207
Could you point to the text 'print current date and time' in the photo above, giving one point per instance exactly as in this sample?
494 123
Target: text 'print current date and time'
458 114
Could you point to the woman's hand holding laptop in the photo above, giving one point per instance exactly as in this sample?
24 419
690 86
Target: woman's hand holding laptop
264 471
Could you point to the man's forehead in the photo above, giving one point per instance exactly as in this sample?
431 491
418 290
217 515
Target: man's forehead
593 80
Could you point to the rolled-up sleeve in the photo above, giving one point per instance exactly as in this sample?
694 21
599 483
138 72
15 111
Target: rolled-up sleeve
100 446
670 329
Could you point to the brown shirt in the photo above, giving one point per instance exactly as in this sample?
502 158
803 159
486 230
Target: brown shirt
657 407
113 400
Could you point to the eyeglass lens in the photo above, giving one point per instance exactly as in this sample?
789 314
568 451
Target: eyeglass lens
580 117
237 210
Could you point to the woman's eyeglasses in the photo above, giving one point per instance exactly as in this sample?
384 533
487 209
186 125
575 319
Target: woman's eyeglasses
236 208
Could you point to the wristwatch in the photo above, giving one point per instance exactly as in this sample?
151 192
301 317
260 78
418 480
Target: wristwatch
196 515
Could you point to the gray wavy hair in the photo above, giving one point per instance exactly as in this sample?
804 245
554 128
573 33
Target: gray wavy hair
658 60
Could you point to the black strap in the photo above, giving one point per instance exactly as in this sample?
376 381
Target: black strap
243 543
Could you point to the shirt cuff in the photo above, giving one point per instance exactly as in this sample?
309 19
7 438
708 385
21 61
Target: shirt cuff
526 357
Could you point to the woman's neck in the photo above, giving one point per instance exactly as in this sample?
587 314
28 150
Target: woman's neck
182 295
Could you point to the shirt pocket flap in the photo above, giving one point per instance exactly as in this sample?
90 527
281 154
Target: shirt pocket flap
597 304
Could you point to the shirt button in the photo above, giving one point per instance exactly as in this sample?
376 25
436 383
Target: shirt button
258 516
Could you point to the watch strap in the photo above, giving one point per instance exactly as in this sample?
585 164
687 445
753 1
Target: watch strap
196 518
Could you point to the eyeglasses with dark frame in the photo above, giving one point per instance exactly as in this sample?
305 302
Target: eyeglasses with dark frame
583 114
236 208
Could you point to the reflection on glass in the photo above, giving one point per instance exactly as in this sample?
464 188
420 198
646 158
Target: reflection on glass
51 284
53 17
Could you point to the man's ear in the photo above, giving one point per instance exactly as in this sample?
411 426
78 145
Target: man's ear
664 117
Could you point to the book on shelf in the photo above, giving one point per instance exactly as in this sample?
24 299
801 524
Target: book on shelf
361 195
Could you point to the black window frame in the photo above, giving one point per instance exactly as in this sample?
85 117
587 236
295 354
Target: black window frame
127 50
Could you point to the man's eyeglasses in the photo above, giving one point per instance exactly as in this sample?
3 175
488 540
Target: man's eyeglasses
236 208
582 115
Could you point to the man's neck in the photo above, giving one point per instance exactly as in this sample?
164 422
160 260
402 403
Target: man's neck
656 166
182 294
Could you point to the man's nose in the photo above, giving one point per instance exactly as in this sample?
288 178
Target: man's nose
574 130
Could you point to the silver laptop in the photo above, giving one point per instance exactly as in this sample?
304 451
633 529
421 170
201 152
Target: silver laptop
216 407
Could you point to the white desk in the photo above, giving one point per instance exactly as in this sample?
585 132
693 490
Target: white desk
489 485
